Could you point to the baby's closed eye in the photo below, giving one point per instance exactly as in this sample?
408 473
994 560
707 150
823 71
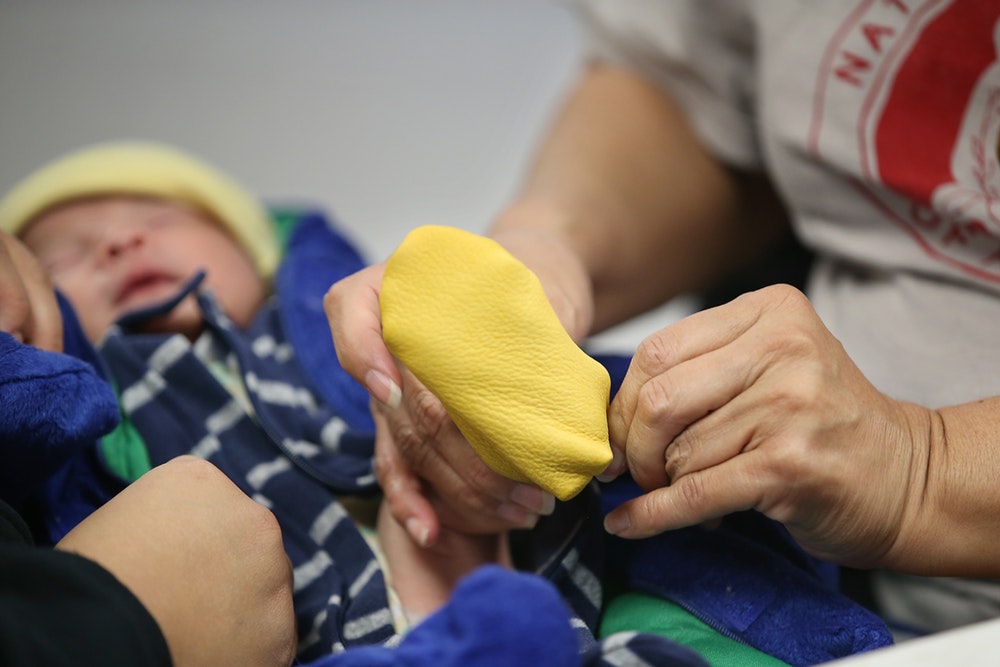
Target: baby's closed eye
62 258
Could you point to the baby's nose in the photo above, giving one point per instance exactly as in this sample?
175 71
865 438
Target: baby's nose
121 237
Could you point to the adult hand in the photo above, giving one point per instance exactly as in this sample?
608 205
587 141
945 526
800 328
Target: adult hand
427 469
205 560
28 307
754 404
432 478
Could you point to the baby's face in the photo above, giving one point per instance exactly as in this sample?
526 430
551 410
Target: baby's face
113 255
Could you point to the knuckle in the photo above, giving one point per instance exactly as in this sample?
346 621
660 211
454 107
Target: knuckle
785 295
804 392
428 414
383 467
478 476
811 389
793 340
656 401
655 352
678 454
413 446
691 491
652 512
265 526
385 449
790 459
406 436
469 498
193 467
332 297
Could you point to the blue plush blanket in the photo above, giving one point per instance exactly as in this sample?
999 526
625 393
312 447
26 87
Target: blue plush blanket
52 409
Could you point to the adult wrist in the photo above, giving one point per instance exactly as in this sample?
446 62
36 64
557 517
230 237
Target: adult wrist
559 268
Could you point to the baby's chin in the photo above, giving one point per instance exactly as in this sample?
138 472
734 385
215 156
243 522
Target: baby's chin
190 326
190 332
185 318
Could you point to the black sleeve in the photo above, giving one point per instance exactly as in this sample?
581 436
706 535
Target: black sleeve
57 608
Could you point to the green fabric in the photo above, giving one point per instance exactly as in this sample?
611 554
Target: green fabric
639 612
285 220
125 451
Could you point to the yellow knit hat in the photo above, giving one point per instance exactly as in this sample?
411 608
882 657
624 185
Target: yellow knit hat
145 168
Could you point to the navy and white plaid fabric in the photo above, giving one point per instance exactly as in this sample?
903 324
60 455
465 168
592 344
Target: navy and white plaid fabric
293 452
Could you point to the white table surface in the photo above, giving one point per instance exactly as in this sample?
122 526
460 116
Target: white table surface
976 645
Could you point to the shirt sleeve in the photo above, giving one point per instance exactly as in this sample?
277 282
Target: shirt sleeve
58 608
699 51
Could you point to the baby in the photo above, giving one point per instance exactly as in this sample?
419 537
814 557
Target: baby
122 226
170 267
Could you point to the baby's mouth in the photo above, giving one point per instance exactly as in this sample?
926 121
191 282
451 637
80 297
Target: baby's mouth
141 285
149 296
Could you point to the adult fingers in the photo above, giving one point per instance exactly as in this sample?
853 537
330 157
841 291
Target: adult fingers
43 325
28 306
735 485
707 409
463 486
14 304
679 376
352 310
684 340
402 488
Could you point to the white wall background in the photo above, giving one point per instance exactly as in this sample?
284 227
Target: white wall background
389 113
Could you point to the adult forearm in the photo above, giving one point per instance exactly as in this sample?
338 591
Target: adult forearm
953 523
624 180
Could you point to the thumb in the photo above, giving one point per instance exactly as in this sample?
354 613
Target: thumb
352 311
692 499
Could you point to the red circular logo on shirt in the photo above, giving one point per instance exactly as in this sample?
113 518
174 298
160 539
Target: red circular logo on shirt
924 81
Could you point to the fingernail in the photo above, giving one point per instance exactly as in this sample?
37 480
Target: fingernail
533 498
418 531
517 515
617 522
383 389
615 468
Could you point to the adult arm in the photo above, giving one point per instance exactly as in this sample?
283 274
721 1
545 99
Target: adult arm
204 559
754 404
624 208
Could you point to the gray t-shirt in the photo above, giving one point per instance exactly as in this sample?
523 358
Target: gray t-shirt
879 123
